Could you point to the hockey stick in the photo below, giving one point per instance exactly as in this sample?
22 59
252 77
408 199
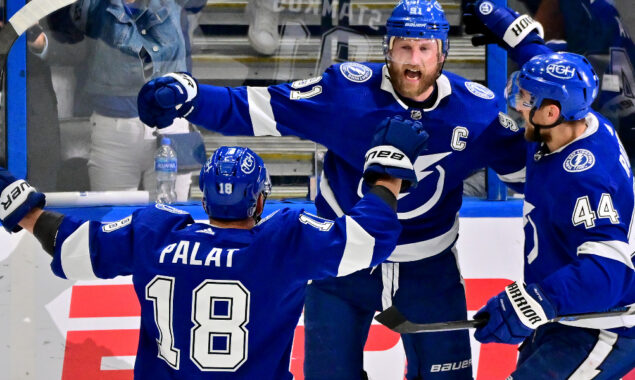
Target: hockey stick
22 20
394 320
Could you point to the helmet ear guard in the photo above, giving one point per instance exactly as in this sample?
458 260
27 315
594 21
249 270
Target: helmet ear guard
232 181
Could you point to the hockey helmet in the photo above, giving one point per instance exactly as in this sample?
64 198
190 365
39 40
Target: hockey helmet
564 77
231 181
417 19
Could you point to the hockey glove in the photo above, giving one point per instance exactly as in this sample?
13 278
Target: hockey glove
493 24
17 198
395 147
514 314
166 98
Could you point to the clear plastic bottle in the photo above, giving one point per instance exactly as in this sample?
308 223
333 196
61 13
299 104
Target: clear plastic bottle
165 168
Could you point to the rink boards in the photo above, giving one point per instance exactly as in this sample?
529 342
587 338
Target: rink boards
55 329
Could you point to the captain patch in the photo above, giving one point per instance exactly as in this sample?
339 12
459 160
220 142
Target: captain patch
479 90
356 72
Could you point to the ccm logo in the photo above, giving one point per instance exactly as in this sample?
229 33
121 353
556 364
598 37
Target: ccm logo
385 154
561 71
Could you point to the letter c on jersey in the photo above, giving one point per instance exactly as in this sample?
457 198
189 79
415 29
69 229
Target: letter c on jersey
458 134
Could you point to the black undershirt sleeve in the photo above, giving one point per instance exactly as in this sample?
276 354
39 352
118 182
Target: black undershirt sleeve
45 230
385 195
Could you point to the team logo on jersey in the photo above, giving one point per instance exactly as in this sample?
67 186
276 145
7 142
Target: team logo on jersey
507 122
110 227
579 160
305 82
416 115
561 71
171 209
486 8
356 72
479 90
248 164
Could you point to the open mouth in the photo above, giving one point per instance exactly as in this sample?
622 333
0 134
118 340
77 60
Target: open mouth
412 74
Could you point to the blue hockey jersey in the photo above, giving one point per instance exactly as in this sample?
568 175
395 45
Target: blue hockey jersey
340 110
222 303
578 221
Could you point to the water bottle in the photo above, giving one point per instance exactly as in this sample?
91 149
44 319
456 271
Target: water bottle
165 168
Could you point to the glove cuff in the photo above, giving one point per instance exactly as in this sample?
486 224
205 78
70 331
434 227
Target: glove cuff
530 304
16 200
521 28
189 83
387 156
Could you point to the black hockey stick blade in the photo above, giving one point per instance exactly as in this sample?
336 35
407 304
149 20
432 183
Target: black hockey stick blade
394 320
22 20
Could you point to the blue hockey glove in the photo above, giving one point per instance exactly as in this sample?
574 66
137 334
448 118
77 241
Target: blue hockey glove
17 198
514 314
395 147
493 24
163 99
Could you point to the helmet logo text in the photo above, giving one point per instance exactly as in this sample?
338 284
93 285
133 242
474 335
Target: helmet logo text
248 164
561 71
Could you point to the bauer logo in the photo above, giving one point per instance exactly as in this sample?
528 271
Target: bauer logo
561 71
438 6
579 161
479 90
486 8
356 72
248 164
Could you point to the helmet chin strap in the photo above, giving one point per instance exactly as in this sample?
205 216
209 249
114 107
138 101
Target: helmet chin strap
538 127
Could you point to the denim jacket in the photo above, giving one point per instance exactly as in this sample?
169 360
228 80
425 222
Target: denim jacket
127 52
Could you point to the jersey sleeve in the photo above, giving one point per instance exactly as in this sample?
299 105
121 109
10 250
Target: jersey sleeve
506 149
88 250
603 272
316 247
302 108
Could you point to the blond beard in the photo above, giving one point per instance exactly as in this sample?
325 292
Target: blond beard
398 82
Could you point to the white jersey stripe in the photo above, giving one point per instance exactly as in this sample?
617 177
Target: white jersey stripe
426 248
518 176
615 250
358 252
390 282
75 255
260 112
329 197
589 368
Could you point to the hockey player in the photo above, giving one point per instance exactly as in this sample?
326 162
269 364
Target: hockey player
334 109
578 216
222 300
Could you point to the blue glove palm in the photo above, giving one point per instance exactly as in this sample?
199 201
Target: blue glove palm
500 25
514 314
17 198
166 98
395 147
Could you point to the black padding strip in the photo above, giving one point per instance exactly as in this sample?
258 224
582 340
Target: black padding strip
45 230
385 194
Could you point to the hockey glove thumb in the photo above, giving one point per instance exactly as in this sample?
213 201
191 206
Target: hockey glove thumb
163 99
17 198
500 25
395 147
514 314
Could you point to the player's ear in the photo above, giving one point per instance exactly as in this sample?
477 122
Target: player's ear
554 113
260 205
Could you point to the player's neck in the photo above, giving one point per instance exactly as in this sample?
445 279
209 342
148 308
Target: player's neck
564 133
243 224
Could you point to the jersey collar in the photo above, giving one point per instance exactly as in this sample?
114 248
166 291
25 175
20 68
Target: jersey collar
592 125
443 86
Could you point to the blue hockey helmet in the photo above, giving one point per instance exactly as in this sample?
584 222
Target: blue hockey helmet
566 78
231 181
417 19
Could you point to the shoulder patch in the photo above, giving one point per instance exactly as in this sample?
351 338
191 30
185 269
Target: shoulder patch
507 122
305 82
316 222
171 209
114 226
479 90
578 161
356 72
